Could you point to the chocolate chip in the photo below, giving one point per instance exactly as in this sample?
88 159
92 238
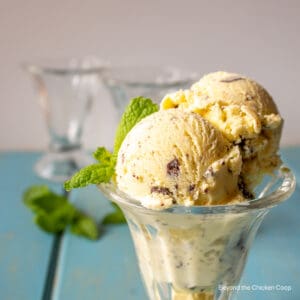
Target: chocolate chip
249 97
243 188
173 167
191 187
176 186
241 141
161 190
232 79
241 242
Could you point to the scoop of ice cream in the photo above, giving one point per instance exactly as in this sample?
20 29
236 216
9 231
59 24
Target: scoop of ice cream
246 115
176 157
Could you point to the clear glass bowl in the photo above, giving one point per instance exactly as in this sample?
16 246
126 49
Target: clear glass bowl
189 252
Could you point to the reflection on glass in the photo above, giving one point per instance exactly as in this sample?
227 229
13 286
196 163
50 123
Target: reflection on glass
190 252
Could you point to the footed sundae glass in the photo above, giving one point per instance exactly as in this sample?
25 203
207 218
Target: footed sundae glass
190 252
66 90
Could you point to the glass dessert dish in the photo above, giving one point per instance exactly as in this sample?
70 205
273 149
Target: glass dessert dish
125 82
66 90
189 252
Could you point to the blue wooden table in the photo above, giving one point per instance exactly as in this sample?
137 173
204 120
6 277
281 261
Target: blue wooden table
37 265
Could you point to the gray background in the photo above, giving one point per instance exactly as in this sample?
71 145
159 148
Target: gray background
256 38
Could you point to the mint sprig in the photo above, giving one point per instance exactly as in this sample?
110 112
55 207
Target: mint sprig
103 171
53 213
93 174
138 109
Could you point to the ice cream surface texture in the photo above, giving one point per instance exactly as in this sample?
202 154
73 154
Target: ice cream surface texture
246 115
177 157
208 145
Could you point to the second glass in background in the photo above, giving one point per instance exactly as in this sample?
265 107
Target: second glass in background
127 82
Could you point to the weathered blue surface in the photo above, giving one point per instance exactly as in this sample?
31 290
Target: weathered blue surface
275 258
24 249
107 268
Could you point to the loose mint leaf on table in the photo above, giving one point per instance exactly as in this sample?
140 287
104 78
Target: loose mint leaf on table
48 203
103 171
115 217
85 226
35 192
53 212
57 220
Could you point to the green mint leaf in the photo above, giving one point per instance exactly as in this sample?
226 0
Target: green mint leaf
116 217
85 226
48 203
137 109
53 212
93 174
40 199
57 220
102 171
34 192
102 155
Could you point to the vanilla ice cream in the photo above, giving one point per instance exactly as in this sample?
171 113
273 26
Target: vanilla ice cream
246 115
176 157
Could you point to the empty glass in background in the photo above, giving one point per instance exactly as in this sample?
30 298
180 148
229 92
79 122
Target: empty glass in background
125 82
66 90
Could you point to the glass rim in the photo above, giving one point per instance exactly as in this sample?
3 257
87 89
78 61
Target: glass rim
285 177
64 66
112 75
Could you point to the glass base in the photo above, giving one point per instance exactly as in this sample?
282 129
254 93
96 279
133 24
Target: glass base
60 166
166 291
